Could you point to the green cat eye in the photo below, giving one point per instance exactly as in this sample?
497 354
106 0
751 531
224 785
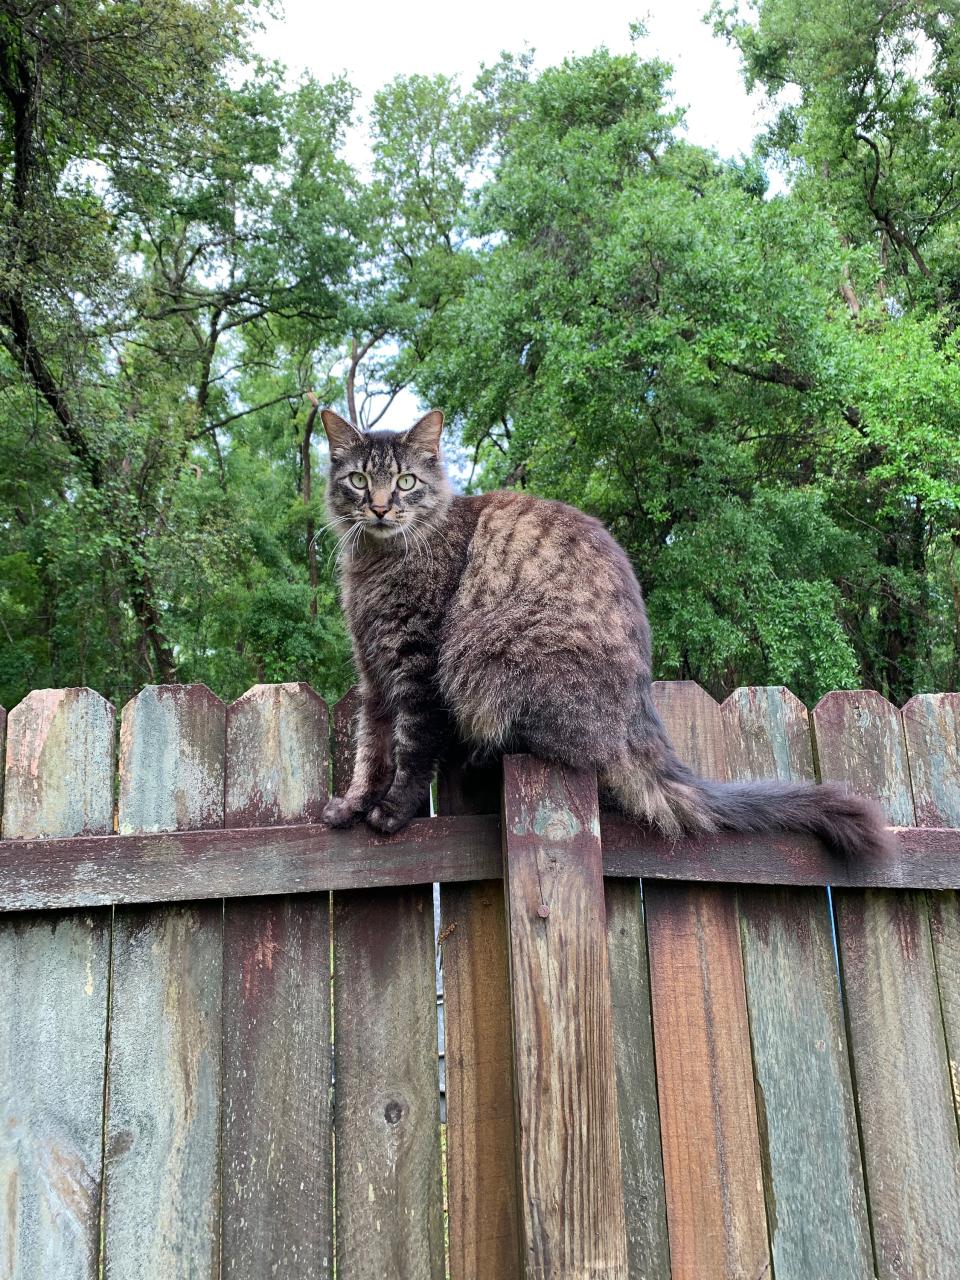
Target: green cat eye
406 481
358 479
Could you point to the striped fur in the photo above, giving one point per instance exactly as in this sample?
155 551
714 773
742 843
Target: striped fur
516 623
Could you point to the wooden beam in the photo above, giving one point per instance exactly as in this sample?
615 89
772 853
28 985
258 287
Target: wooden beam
277 1170
184 866
484 1231
568 1140
923 858
245 862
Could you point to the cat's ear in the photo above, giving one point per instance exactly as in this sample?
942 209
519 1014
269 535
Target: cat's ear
425 435
339 432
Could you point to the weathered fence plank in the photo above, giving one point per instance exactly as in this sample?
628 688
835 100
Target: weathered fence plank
162 1211
641 1158
708 1118
389 1209
277 1175
931 725
483 1228
53 999
98 871
571 1193
816 1205
895 1024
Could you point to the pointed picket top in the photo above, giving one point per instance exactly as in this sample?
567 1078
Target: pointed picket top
694 726
931 724
344 718
815 1196
172 747
53 995
715 1209
767 734
59 765
859 741
277 752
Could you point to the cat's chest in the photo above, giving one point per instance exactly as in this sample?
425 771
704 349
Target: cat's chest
386 608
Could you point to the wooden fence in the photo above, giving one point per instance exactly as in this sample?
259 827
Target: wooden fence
218 1035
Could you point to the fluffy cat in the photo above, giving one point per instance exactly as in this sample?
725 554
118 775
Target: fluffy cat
513 622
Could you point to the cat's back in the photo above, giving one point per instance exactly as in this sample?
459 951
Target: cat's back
522 547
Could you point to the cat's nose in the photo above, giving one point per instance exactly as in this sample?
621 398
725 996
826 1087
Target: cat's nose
379 511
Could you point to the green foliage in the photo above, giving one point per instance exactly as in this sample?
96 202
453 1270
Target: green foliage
648 336
757 393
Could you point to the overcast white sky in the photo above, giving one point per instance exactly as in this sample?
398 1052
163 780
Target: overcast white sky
376 41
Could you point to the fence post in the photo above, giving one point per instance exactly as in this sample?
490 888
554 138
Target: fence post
571 1190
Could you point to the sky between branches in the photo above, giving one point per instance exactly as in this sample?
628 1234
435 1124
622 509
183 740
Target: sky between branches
374 43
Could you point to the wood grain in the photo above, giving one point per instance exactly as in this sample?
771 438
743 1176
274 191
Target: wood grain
641 1157
895 1025
97 871
245 862
276 1159
708 1118
389 1207
53 998
571 1191
931 723
483 1226
163 1133
813 1180
931 726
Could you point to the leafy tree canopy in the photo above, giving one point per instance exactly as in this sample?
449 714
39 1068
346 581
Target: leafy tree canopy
758 393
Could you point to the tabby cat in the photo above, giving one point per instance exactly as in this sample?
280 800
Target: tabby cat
511 622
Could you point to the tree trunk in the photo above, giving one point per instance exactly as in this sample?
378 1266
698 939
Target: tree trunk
307 492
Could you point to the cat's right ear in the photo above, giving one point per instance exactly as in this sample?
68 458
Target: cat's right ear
340 433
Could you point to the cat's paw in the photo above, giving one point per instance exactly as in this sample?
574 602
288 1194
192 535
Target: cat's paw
383 817
338 813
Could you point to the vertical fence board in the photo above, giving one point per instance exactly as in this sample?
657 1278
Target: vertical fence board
931 725
3 749
816 1205
277 1175
163 1109
389 1209
54 973
708 1118
481 1157
895 1025
641 1159
568 1138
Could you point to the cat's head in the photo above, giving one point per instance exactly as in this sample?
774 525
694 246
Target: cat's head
383 483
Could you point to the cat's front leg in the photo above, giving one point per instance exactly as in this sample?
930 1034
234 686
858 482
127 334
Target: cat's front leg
373 765
420 734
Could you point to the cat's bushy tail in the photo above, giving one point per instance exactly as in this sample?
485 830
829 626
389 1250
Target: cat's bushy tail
656 787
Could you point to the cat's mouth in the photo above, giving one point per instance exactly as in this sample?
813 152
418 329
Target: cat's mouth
381 529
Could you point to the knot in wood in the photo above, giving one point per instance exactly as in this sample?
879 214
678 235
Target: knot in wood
393 1112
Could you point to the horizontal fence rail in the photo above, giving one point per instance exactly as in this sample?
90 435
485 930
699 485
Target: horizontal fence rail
668 1059
97 871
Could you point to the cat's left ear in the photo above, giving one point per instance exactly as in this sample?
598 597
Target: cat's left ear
425 435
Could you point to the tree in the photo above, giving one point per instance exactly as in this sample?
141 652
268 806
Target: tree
171 268
645 334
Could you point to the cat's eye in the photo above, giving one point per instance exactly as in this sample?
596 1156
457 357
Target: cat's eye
358 479
406 481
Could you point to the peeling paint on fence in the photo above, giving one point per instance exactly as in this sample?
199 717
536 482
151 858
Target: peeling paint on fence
162 1182
172 759
53 998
